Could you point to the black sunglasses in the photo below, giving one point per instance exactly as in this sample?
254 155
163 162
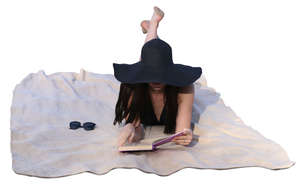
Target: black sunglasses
87 125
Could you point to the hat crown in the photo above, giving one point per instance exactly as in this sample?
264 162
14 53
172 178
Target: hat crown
156 53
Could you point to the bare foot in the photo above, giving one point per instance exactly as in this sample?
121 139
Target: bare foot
145 26
158 14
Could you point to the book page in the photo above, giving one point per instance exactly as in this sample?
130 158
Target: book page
154 134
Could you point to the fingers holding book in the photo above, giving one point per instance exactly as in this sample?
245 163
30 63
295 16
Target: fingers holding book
184 139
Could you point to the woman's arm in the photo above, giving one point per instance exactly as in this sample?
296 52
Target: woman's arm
135 123
139 132
184 115
185 105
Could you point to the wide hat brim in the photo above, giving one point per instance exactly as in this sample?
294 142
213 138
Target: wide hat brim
175 74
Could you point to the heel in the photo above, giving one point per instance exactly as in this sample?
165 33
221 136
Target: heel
143 25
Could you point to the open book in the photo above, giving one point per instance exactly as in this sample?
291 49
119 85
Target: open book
148 145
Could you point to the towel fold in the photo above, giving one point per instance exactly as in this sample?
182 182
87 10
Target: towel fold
42 144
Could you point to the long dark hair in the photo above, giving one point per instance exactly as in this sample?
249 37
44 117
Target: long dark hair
141 102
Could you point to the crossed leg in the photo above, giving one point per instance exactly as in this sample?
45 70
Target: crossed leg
150 27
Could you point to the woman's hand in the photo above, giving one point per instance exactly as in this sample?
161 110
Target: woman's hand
131 134
139 133
184 139
127 133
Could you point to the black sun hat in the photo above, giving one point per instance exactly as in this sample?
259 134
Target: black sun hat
156 65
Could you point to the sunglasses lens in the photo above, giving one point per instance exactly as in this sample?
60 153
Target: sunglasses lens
89 126
74 125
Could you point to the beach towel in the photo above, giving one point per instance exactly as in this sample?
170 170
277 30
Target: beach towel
42 144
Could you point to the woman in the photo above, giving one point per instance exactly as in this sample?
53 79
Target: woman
143 101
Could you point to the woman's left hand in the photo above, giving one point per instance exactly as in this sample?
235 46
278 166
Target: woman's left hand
184 139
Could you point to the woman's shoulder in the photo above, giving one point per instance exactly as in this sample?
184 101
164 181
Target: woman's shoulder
185 92
187 89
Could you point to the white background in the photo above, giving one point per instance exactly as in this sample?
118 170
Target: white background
248 51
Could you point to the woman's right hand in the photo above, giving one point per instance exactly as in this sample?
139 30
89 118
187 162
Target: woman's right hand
127 133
